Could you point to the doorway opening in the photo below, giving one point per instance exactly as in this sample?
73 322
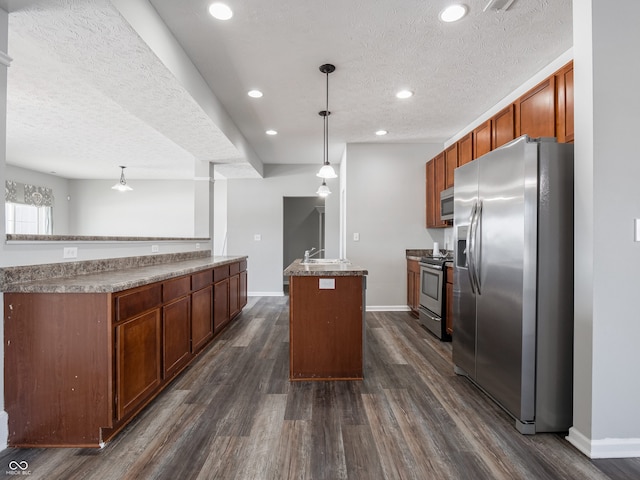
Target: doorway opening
303 229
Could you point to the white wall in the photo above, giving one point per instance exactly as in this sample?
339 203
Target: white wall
607 322
255 206
60 187
220 217
385 205
154 208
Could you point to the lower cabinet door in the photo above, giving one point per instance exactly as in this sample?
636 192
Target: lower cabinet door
176 327
243 289
234 295
138 357
201 318
220 304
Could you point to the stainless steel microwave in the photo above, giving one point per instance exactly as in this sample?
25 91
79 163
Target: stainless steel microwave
446 204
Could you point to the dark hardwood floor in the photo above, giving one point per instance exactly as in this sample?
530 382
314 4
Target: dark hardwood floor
234 415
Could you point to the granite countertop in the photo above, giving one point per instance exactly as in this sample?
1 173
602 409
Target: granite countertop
347 269
121 279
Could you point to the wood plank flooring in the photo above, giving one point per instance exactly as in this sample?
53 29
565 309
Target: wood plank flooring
234 415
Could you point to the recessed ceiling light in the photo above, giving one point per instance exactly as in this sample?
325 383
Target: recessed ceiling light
220 11
254 93
453 13
271 132
404 94
381 132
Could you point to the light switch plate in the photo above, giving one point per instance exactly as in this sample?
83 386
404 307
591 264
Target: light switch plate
637 234
70 252
257 237
356 237
327 284
155 249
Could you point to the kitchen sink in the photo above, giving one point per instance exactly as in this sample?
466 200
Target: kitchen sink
325 261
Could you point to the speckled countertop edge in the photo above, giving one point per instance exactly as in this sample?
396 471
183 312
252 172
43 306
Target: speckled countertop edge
119 280
296 269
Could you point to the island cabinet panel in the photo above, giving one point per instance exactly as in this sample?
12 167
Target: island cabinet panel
326 327
80 366
220 305
57 396
234 295
201 318
138 357
176 336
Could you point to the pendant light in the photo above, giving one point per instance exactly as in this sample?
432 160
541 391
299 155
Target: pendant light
323 190
327 170
122 186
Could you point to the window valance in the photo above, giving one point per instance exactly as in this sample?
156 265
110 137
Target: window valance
28 194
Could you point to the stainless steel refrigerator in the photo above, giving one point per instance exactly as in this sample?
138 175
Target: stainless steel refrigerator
513 287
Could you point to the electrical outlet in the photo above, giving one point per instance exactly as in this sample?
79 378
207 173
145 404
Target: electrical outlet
70 252
356 237
257 237
637 234
155 249
197 246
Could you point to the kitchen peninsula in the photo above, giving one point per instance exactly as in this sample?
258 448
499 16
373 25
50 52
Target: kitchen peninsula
326 320
84 353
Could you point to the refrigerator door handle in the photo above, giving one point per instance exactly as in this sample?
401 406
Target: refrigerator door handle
477 246
470 266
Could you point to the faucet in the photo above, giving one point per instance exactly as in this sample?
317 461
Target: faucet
308 254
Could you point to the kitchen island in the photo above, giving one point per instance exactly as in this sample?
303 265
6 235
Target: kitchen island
85 353
326 320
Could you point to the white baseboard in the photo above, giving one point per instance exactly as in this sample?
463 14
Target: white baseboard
388 308
605 448
265 294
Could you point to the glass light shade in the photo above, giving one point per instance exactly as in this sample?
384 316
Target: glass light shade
327 171
323 190
122 187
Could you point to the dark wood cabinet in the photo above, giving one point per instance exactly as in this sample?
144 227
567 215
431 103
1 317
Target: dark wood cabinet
220 304
564 85
435 175
450 164
465 151
413 286
482 139
536 110
234 295
449 300
503 126
138 356
201 318
99 358
176 332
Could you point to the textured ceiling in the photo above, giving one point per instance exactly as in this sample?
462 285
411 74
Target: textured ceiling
86 94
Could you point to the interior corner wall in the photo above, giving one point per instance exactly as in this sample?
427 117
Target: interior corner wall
255 207
606 390
385 202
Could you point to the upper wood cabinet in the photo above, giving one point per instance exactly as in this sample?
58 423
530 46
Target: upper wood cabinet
435 177
482 139
503 126
564 87
536 111
465 151
450 164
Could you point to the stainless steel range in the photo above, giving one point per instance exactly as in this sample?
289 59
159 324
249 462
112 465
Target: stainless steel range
432 296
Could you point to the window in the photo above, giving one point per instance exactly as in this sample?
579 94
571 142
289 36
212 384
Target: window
28 209
28 219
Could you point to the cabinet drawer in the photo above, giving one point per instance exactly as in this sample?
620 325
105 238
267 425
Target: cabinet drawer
220 273
137 301
201 279
176 288
243 265
234 268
